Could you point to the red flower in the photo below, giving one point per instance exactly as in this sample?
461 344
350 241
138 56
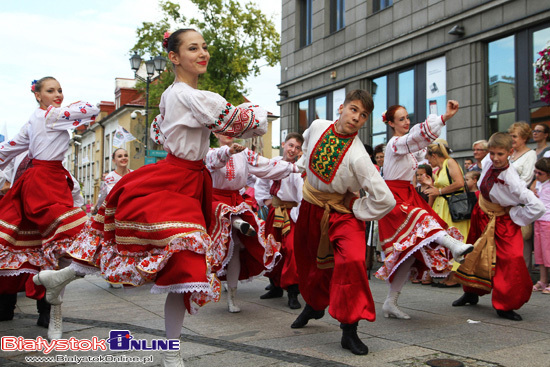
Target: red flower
67 114
83 110
12 143
75 123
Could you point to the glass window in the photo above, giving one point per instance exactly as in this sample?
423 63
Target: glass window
381 4
337 11
305 22
338 97
540 41
303 118
501 122
321 108
380 97
501 75
406 91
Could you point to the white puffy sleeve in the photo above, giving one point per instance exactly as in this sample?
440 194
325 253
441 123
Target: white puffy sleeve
217 158
261 190
270 169
12 148
74 115
213 111
419 136
528 207
379 200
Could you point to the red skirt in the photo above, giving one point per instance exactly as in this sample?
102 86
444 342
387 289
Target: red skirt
38 220
410 229
153 227
285 272
344 288
512 285
258 254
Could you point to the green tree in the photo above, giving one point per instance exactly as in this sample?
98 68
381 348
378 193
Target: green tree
240 40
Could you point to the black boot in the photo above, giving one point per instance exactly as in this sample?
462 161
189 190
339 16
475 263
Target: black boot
43 313
466 298
293 293
351 341
510 315
307 314
274 291
7 306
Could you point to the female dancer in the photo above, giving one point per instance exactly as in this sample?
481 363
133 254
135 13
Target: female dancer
38 217
230 166
154 222
120 159
412 235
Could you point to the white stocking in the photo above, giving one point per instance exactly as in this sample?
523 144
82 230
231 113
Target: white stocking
174 311
234 265
401 275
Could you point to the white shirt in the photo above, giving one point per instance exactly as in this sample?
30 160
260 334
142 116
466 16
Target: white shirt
354 172
230 172
290 190
525 206
45 135
404 152
525 166
106 186
188 116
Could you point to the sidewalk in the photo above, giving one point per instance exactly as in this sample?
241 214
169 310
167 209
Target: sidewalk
261 335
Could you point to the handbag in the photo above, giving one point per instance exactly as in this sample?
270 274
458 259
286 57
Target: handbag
460 203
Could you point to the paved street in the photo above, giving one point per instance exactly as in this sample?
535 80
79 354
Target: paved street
261 335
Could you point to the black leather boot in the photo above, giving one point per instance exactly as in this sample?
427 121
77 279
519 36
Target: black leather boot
7 306
510 315
307 314
293 293
351 341
273 292
466 298
43 313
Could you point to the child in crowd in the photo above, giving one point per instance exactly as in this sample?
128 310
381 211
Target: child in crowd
497 264
425 180
542 225
471 178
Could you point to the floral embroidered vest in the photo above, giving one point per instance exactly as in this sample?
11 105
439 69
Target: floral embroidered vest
328 153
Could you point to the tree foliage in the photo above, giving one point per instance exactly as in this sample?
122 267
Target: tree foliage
241 39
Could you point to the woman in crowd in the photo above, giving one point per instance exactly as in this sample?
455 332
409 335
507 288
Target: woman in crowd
154 222
412 234
541 136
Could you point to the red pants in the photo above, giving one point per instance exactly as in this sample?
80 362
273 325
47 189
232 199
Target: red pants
511 283
285 272
345 288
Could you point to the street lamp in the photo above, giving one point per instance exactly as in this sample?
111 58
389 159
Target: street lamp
158 64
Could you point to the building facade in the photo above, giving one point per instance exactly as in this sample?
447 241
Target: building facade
417 53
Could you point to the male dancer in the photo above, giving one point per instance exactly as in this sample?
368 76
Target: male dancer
283 198
330 233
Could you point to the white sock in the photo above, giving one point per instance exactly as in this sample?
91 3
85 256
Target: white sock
234 265
401 275
174 312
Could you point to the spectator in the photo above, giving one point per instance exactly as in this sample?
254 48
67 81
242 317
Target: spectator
541 136
468 163
379 154
480 151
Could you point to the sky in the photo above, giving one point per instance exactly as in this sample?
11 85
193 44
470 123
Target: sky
85 46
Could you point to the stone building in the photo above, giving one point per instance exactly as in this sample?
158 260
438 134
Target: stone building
417 53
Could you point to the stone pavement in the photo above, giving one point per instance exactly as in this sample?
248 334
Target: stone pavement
261 335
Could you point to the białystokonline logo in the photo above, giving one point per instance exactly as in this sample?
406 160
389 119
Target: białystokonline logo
119 340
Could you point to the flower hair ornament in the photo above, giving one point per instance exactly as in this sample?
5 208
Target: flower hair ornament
167 35
384 119
33 83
